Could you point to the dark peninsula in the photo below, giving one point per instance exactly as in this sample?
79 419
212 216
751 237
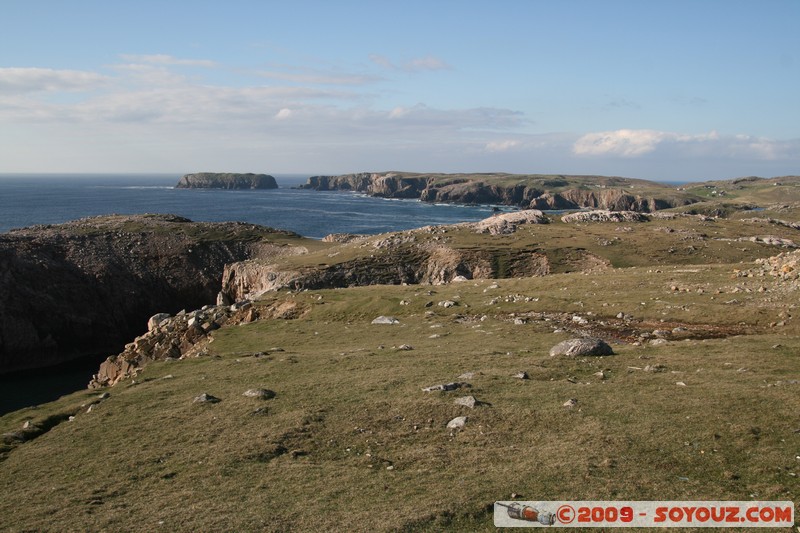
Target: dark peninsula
211 180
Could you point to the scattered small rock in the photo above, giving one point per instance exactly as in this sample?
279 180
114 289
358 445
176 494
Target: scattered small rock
386 320
405 347
580 347
572 402
521 375
447 303
658 342
206 398
457 423
466 401
446 386
655 368
263 394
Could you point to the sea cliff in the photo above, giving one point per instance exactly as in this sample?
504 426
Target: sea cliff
87 286
524 191
209 180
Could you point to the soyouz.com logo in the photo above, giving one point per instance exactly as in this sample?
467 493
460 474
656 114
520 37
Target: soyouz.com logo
644 514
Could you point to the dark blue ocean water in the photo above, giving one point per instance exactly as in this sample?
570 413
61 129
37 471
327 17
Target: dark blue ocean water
26 200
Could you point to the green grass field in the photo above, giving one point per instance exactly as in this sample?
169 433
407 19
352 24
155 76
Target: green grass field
351 443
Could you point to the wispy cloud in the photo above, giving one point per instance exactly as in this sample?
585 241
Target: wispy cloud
477 118
318 77
31 80
621 103
502 146
168 60
419 64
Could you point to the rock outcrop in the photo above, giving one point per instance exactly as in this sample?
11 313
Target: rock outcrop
87 287
604 215
525 191
507 223
186 335
176 337
210 180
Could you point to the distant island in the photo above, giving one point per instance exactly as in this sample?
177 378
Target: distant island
212 180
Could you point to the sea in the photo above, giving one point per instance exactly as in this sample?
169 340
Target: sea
26 200
31 199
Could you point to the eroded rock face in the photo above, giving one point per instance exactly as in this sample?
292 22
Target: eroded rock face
89 286
211 180
611 199
404 261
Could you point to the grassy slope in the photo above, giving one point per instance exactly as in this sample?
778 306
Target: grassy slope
346 409
659 242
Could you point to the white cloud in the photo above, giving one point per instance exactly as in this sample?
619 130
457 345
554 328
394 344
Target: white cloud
631 143
31 80
167 60
283 114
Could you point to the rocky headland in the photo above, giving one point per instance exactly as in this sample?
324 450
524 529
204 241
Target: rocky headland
210 180
86 287
524 191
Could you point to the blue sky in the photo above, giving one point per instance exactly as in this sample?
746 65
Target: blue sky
673 89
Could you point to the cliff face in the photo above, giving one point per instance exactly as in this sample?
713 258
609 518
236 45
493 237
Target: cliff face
527 194
389 185
88 286
412 265
209 180
613 200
